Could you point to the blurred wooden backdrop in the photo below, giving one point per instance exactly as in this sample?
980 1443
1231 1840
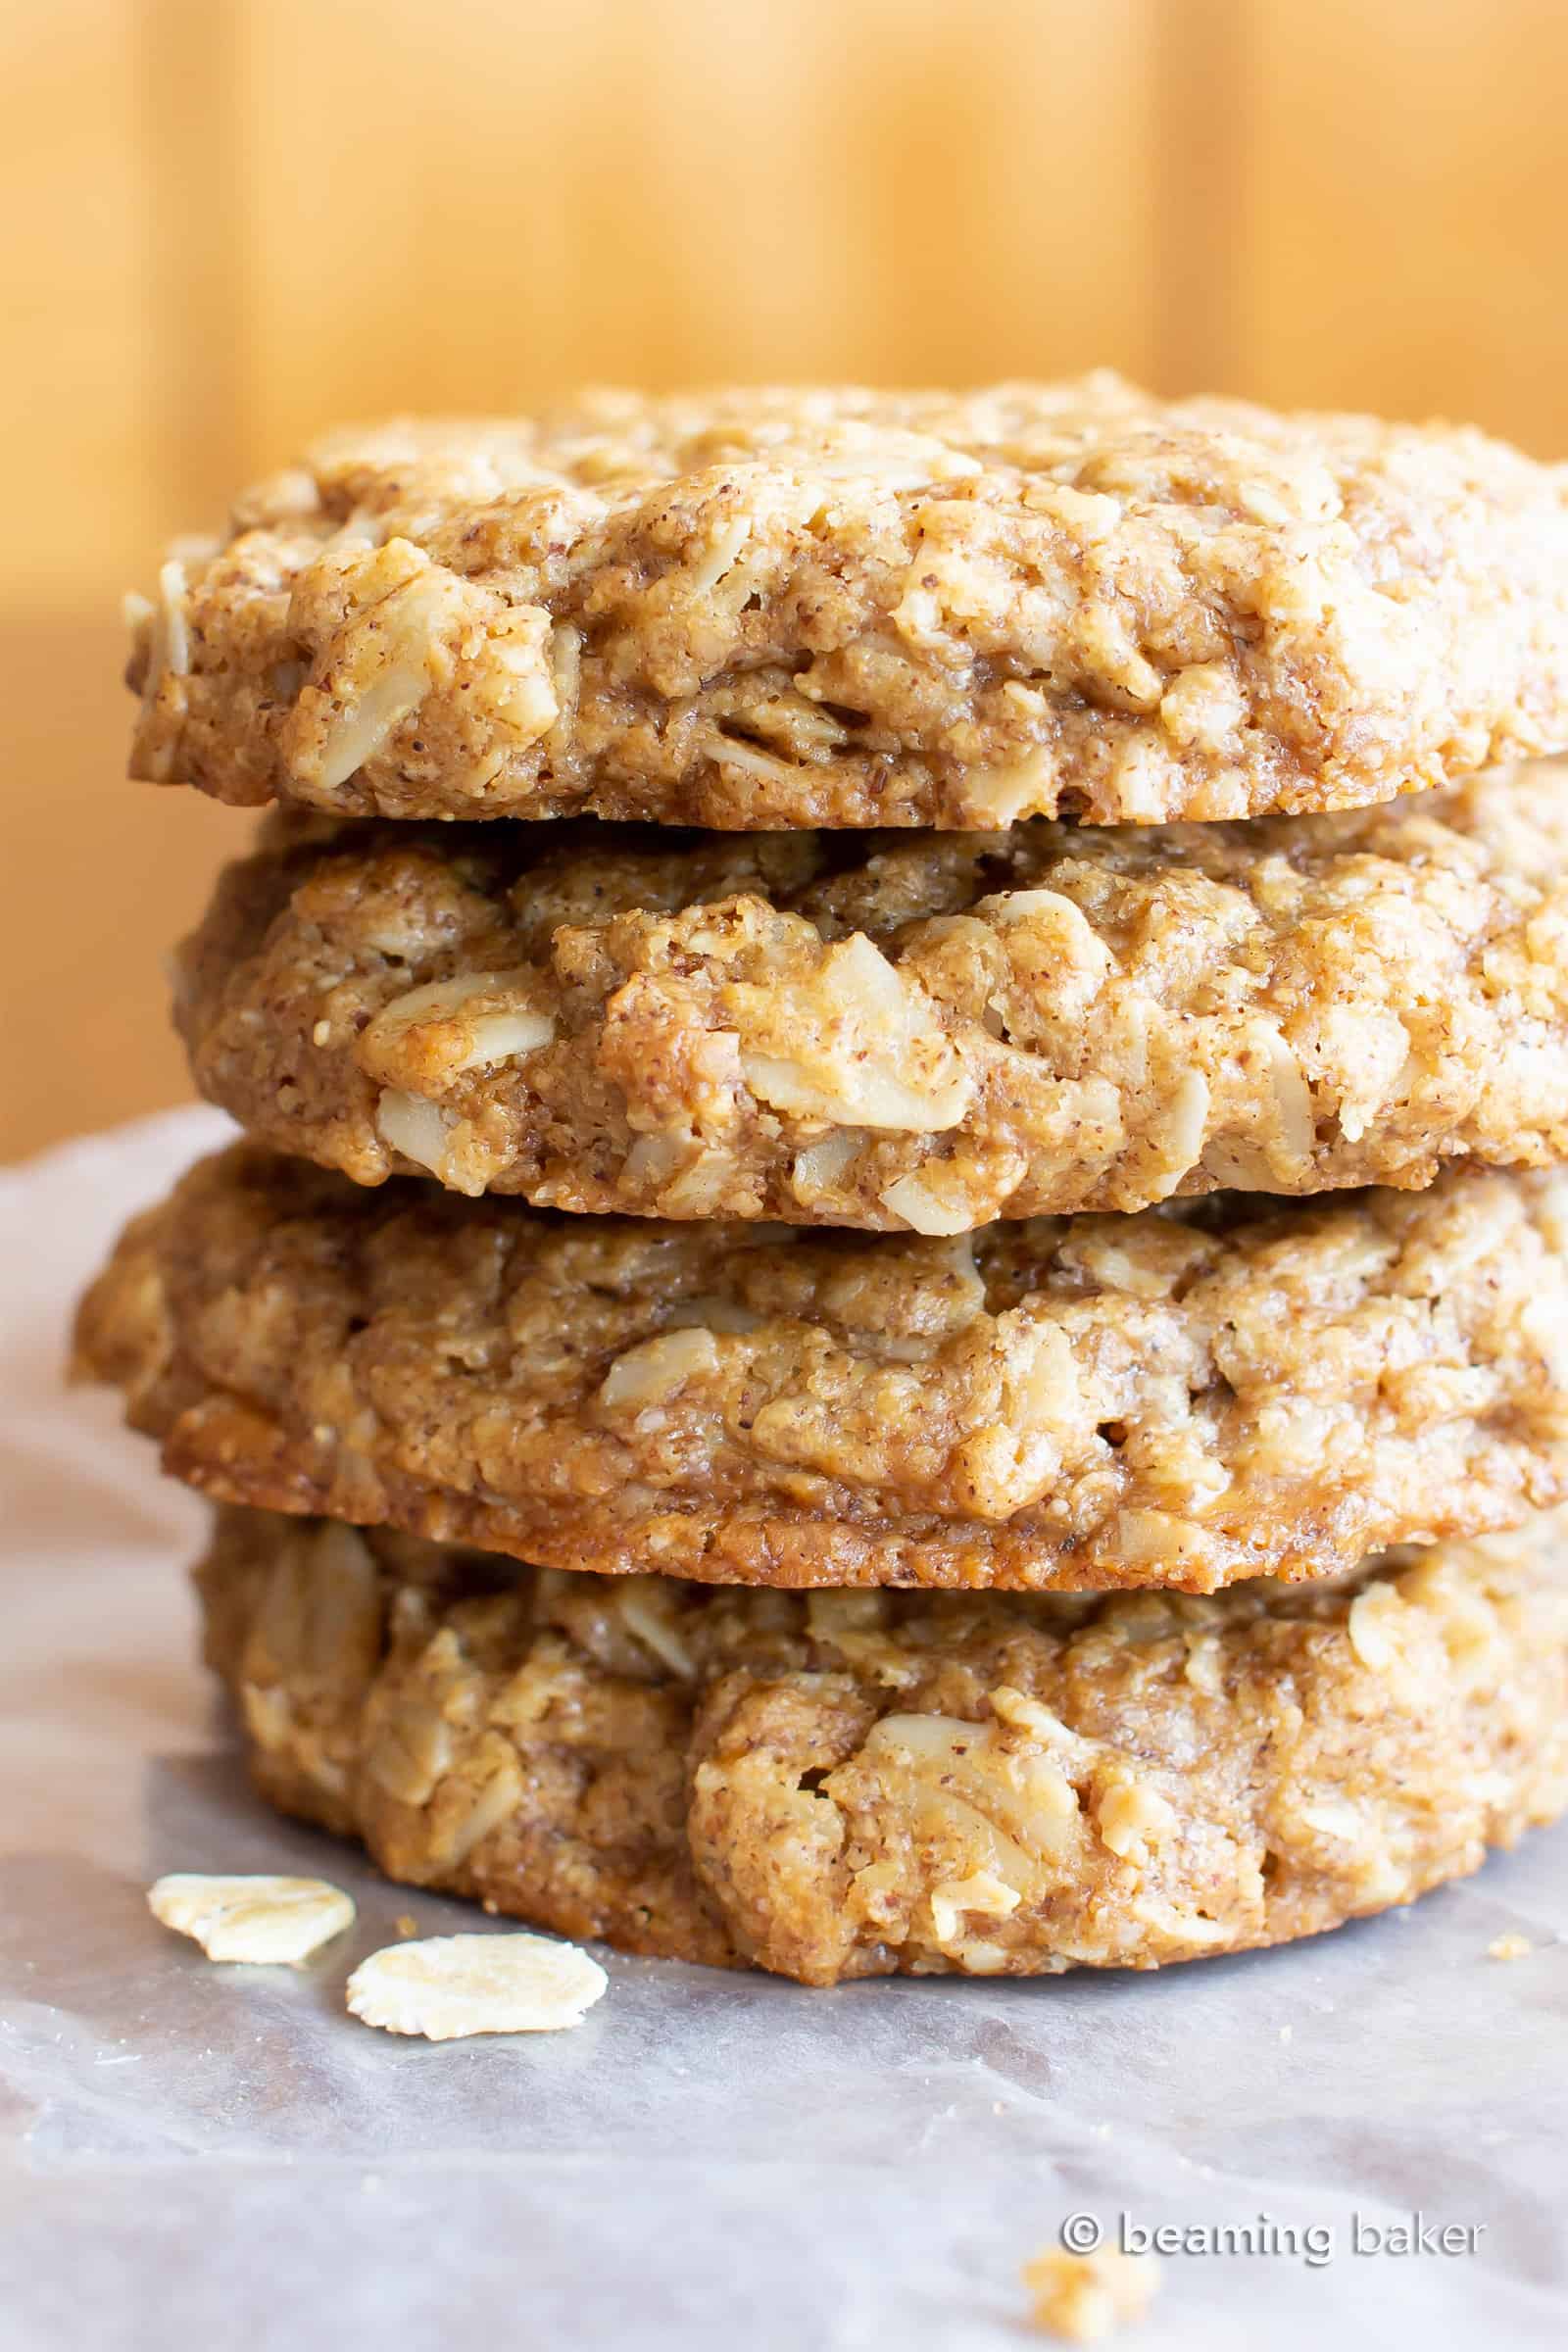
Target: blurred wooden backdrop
229 221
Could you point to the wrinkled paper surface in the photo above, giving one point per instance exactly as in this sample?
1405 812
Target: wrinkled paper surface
194 2155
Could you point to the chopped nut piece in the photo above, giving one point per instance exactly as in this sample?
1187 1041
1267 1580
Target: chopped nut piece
658 1369
386 675
718 556
1371 1625
647 1612
434 1033
410 1750
921 1206
1131 1818
1082 2297
450 1986
412 1126
981 1893
266 1921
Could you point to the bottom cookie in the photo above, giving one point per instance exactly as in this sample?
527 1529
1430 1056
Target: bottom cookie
836 1785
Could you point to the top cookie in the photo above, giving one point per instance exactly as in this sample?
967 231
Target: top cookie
771 609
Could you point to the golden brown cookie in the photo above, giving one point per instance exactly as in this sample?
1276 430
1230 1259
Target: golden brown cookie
1184 1398
844 608
854 1784
900 1031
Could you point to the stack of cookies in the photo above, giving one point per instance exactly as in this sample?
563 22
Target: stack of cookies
895 1297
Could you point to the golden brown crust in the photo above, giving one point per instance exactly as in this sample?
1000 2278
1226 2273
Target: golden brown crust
852 1784
1185 1397
886 1030
830 608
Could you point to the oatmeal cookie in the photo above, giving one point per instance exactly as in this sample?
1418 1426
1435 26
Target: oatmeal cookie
1194 1394
764 609
856 1784
894 1031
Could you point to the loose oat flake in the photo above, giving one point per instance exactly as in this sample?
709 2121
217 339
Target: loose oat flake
269 1921
449 1986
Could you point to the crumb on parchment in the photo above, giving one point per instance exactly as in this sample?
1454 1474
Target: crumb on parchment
1082 2297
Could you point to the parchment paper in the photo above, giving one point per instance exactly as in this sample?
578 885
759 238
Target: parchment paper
194 2155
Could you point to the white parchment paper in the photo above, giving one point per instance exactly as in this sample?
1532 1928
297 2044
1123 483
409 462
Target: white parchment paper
193 2155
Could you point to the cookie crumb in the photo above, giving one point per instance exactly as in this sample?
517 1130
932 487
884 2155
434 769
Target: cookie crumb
1082 2297
268 1922
1512 1946
451 1986
406 1926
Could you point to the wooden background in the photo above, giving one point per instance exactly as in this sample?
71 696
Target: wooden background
229 221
